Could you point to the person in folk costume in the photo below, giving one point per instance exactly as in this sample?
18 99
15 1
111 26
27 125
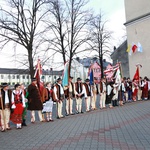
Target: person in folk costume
115 94
145 89
18 104
69 95
5 106
25 93
134 89
140 89
79 94
88 94
129 90
109 94
47 98
34 100
96 91
125 93
103 93
59 97
148 88
121 90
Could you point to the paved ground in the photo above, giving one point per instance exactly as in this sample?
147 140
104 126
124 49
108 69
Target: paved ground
119 128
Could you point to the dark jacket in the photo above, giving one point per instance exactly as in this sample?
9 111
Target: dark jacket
34 98
3 98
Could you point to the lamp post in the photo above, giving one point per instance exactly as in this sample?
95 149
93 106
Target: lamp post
51 69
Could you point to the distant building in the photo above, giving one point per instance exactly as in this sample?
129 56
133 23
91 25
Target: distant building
138 31
86 62
120 55
13 76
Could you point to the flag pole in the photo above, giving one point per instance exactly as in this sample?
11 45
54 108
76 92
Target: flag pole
139 70
1 101
121 69
68 84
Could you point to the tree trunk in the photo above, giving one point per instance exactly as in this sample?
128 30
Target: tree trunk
31 67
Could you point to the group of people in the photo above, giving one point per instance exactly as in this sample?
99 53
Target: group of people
15 103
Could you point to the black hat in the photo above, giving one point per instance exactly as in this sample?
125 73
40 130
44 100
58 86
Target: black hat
4 84
33 79
59 79
87 80
70 77
79 79
16 85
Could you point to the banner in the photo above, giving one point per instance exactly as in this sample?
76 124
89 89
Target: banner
65 79
38 75
96 70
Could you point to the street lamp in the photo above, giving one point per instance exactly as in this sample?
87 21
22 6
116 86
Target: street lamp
51 69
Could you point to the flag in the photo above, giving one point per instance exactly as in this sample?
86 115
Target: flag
134 47
38 75
118 76
128 49
140 49
91 77
136 75
65 74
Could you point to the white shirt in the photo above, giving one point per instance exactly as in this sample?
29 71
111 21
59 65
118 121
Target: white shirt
6 97
18 92
61 90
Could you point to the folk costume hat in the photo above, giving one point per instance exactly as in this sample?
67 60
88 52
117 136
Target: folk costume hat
70 77
4 84
59 79
87 80
79 79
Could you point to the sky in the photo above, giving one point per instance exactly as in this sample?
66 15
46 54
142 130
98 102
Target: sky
114 13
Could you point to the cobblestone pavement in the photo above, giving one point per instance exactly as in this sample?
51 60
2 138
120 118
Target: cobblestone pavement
121 128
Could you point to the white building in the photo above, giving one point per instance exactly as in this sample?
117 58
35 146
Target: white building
138 30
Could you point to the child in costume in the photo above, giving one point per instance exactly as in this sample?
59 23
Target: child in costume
18 104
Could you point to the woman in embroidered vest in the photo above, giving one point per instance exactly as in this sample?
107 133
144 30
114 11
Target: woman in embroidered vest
18 105
47 102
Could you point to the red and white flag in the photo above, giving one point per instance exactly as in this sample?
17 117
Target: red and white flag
38 75
136 75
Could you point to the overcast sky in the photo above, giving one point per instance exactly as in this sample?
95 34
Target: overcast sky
113 11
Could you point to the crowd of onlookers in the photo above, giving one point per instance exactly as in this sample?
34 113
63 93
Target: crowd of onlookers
15 103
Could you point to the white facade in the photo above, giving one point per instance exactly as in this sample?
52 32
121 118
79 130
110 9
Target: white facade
138 30
78 70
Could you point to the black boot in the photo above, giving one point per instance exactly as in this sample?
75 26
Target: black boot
113 103
116 103
24 122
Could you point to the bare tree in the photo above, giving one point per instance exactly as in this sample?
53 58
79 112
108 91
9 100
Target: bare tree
20 22
99 39
69 22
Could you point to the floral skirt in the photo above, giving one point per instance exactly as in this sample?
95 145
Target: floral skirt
48 106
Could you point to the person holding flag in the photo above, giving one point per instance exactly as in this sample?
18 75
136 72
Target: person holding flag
68 89
69 95
96 91
135 83
34 100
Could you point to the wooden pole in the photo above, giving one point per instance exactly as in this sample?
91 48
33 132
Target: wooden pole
1 101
